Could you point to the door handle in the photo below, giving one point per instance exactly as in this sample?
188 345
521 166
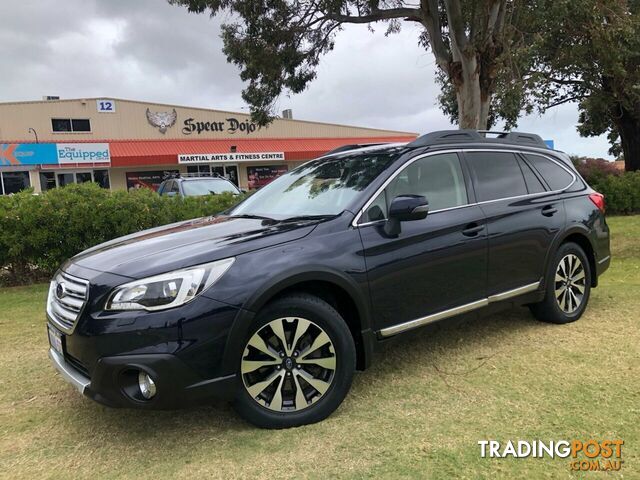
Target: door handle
549 211
472 230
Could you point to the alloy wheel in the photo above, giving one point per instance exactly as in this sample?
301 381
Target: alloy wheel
570 283
288 364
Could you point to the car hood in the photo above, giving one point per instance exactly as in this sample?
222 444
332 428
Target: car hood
185 244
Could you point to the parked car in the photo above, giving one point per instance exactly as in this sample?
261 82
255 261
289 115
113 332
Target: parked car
196 186
275 303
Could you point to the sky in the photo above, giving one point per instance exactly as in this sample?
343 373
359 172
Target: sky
151 51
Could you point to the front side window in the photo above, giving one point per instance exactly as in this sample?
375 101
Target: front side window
320 187
497 175
438 178
556 177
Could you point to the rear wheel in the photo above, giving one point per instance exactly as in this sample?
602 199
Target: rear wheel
297 364
568 287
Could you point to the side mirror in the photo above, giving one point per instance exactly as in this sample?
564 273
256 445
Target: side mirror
405 208
170 194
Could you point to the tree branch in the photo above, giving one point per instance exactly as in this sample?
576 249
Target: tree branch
561 81
456 25
431 22
377 15
566 100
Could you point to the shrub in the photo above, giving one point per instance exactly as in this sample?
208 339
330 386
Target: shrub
622 192
38 232
593 169
621 189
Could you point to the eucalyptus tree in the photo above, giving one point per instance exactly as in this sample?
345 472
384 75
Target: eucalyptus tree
278 44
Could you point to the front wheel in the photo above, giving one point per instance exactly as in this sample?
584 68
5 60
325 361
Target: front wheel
297 364
568 287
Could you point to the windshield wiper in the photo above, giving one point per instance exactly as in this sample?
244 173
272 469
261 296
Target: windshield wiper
248 215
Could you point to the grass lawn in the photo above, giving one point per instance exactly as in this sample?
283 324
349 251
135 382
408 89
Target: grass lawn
419 412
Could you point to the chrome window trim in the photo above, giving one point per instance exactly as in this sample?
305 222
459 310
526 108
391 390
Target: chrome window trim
451 312
354 222
386 183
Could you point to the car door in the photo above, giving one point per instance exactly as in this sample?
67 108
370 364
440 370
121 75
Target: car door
523 218
434 264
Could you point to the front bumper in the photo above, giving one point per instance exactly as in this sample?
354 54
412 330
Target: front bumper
113 381
70 374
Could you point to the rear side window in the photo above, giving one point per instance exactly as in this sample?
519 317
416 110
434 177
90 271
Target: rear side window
556 177
497 175
534 185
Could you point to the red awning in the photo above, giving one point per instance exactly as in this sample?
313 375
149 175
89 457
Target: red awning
126 153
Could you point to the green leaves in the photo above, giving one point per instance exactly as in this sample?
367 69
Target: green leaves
276 44
588 51
39 232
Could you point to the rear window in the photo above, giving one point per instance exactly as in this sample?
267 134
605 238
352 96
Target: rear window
206 186
556 177
497 175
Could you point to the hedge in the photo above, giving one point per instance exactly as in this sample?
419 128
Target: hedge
620 189
621 192
38 232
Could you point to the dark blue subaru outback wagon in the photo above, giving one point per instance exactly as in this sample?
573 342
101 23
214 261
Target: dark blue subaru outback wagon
275 303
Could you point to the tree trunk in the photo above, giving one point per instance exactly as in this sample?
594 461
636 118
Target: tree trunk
485 105
629 129
466 79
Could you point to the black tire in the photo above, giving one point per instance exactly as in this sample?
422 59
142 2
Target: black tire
550 310
323 317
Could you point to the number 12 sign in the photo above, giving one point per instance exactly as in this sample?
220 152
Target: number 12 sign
106 106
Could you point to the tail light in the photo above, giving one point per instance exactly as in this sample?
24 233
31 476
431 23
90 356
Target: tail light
598 201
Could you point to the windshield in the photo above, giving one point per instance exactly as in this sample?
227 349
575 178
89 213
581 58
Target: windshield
320 187
193 188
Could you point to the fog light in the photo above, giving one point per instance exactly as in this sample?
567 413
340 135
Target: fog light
147 386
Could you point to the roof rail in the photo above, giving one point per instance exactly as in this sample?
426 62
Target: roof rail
171 175
479 136
201 174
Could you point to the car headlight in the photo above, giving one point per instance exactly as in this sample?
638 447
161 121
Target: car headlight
169 289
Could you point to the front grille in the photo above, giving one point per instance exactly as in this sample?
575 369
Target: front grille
67 298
